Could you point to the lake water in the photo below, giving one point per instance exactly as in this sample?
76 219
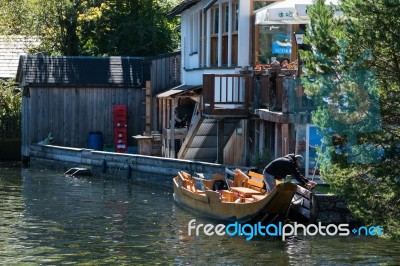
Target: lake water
49 219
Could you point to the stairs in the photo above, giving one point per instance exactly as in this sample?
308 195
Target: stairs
201 141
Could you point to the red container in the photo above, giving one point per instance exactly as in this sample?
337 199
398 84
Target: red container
120 110
120 121
121 139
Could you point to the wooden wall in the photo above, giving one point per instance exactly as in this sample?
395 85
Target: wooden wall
71 113
235 150
165 74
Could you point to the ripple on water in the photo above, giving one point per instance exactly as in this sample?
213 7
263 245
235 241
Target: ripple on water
47 218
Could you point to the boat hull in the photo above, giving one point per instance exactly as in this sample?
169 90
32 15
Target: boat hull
274 206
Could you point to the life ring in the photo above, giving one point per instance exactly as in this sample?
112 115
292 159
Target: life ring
357 96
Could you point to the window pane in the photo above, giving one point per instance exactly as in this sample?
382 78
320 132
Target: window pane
216 20
275 42
226 24
235 16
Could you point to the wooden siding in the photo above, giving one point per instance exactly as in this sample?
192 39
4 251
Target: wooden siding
71 113
71 96
165 72
235 151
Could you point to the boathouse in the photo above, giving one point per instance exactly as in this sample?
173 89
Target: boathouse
69 97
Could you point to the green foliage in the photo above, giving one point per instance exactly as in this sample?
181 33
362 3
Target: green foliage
12 14
128 28
89 27
10 98
353 75
10 110
262 159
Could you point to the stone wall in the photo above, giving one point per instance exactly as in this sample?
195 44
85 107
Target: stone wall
332 210
150 169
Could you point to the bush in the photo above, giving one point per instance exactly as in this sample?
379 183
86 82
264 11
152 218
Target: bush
10 110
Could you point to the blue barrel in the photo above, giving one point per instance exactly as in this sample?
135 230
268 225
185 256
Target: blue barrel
95 140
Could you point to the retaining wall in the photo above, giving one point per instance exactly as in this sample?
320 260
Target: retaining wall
331 209
157 171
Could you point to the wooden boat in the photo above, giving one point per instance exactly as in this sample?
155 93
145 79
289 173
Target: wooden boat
243 201
303 207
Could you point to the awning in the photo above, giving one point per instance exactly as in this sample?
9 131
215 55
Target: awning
178 90
286 12
281 13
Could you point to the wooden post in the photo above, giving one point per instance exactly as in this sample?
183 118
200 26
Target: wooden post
262 135
148 107
265 102
25 137
285 139
220 141
172 140
279 90
278 140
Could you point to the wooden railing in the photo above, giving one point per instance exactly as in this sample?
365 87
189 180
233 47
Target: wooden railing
227 95
278 92
236 94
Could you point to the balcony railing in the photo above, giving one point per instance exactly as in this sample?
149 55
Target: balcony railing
227 94
279 91
235 94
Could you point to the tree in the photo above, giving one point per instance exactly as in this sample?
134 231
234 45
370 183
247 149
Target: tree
353 74
93 27
129 28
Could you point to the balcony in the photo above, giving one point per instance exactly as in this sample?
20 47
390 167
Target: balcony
227 95
278 90
275 91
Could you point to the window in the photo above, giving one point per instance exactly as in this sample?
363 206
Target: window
226 19
274 42
235 17
215 20
194 29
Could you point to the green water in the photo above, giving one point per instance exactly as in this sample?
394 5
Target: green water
49 219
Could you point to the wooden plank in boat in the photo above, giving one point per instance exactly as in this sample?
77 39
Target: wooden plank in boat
253 184
245 191
255 175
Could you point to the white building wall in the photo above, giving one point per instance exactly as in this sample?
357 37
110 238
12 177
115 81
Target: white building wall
244 32
192 61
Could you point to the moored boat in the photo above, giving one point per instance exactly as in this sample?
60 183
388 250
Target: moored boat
242 199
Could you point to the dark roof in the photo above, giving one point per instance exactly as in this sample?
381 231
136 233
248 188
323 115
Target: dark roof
114 71
182 7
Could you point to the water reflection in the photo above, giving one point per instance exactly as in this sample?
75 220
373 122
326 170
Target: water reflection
47 218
